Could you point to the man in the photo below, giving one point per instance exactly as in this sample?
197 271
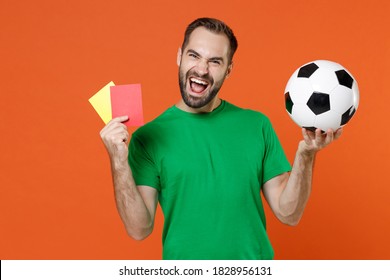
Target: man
205 161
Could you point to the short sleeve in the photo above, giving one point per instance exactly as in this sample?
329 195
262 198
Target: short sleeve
142 164
275 161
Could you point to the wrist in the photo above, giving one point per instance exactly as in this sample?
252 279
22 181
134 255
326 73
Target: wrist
119 164
306 152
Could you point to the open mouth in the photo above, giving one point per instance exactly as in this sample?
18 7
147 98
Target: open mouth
198 85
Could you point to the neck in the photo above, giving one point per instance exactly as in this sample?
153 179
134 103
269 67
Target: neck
211 106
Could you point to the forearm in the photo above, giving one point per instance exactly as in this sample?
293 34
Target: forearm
132 209
295 195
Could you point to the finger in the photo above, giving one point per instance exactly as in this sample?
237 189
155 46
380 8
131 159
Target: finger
318 137
126 137
112 125
115 136
119 119
116 139
329 137
306 136
119 129
338 133
123 137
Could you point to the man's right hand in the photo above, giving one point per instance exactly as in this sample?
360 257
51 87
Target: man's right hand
115 137
136 204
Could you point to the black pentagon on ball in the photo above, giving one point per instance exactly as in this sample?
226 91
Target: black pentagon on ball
307 70
289 102
319 103
344 78
347 115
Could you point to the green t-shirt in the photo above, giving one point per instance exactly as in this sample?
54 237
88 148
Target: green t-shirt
209 169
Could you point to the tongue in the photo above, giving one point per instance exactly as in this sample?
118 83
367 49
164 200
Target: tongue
197 87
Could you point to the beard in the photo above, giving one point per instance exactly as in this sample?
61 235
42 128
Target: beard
201 101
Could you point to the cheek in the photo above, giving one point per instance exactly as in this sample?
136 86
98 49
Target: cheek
185 69
187 64
219 76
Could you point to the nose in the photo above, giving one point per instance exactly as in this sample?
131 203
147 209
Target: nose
202 67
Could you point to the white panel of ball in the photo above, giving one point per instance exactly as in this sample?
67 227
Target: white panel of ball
305 117
300 91
341 99
323 80
330 119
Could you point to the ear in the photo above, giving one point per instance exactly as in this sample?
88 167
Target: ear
229 70
178 59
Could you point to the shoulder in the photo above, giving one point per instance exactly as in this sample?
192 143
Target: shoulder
247 115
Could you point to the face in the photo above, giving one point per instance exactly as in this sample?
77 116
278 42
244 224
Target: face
203 67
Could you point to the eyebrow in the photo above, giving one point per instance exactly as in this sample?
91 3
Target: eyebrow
209 59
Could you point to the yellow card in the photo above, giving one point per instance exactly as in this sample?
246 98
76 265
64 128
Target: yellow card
101 102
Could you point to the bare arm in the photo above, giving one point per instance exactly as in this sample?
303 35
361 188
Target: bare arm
288 195
136 204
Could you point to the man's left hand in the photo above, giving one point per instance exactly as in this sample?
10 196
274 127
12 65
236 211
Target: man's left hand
315 141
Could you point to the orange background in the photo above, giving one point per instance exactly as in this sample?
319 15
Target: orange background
56 196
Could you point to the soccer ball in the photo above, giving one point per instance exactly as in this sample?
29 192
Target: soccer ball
321 94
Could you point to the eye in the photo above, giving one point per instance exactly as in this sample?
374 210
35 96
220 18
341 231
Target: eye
192 55
215 62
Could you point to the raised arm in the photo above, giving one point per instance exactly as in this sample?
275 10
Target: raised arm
136 204
287 194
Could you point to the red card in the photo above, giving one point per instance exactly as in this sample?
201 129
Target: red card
126 100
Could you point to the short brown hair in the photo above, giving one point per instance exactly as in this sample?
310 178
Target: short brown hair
213 25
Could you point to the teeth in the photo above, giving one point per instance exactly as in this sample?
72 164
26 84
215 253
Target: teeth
194 80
